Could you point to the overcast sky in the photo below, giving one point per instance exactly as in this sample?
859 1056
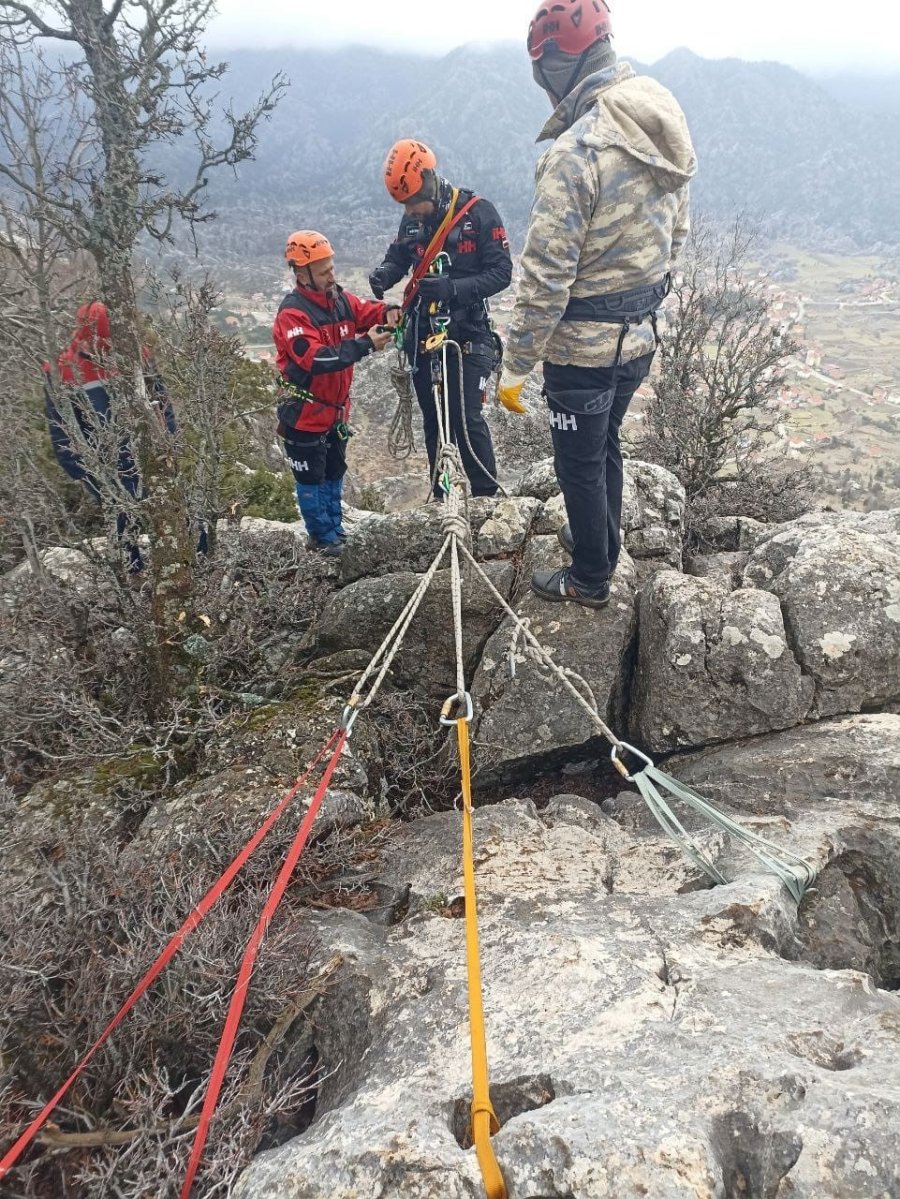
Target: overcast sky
805 33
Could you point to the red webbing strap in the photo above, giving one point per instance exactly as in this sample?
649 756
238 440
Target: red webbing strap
239 997
206 904
437 244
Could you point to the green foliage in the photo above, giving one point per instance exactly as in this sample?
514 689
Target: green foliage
370 499
270 496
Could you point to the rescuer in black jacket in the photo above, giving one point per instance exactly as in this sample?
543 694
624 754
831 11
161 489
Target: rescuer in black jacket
479 266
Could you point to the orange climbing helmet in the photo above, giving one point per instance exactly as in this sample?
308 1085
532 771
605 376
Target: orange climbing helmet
405 167
306 246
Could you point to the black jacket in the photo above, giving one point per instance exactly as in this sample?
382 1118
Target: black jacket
479 256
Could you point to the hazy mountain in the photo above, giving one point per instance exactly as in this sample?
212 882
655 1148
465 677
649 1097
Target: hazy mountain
874 93
771 142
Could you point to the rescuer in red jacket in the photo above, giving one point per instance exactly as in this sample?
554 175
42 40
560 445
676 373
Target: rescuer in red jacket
320 333
86 366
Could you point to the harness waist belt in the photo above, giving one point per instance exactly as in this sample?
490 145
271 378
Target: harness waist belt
622 307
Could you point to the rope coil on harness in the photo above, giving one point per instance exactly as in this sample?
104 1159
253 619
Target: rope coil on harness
401 434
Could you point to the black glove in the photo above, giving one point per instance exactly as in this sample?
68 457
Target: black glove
437 289
377 283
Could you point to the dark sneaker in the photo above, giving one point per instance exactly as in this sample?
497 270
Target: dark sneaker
330 549
565 539
555 585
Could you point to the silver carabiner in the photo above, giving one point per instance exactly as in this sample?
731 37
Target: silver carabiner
620 765
448 708
348 718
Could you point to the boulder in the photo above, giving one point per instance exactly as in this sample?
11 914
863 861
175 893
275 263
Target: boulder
839 589
386 544
724 567
504 531
529 716
643 1039
653 505
70 570
539 481
361 615
730 534
713 665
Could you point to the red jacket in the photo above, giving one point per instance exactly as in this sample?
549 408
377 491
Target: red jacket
318 341
86 358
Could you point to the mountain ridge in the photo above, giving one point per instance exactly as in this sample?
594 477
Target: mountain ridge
773 143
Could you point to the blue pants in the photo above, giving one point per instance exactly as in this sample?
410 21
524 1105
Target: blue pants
587 406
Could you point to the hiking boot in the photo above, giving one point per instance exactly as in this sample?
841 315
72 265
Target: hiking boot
329 549
557 586
565 539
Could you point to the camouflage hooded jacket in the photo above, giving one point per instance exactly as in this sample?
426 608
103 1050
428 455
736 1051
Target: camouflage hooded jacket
610 214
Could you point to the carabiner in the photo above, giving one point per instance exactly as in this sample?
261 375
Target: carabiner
620 765
350 713
448 708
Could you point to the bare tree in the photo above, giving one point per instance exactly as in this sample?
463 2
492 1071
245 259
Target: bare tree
140 78
219 393
721 364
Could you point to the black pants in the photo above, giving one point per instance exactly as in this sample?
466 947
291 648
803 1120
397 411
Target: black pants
315 457
93 411
587 407
466 413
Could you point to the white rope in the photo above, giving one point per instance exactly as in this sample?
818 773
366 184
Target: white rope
390 647
541 655
462 416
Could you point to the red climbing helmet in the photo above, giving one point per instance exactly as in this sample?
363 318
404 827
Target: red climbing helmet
571 25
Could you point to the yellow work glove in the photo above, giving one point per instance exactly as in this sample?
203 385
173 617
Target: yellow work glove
510 391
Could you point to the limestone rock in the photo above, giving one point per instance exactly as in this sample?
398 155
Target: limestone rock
713 665
642 1041
653 505
539 481
506 528
724 567
839 588
361 615
731 534
528 716
393 543
70 569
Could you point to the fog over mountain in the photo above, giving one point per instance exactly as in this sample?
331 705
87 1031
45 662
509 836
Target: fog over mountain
813 161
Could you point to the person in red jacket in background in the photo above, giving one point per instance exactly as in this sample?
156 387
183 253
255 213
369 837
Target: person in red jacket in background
85 367
320 333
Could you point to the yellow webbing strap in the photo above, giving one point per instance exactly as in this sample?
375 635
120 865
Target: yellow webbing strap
484 1119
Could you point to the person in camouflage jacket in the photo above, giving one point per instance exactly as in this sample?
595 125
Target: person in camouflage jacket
610 216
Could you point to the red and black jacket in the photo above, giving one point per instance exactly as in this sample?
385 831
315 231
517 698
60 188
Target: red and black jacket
318 341
480 262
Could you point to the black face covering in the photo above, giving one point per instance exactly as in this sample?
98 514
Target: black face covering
436 191
429 191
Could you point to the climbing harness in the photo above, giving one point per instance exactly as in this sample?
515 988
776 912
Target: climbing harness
436 246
